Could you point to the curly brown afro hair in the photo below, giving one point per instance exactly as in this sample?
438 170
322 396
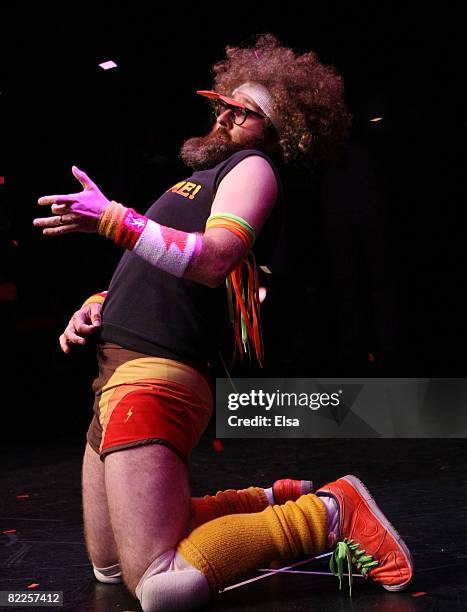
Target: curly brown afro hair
308 96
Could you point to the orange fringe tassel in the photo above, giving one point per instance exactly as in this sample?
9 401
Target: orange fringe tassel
244 306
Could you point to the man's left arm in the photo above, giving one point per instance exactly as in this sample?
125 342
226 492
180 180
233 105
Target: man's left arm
249 192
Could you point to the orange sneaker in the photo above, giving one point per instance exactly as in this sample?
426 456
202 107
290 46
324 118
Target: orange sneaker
286 489
365 537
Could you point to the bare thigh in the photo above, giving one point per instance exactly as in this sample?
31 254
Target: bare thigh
98 533
149 502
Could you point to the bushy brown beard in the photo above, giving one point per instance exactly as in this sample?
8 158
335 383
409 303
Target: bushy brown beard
205 152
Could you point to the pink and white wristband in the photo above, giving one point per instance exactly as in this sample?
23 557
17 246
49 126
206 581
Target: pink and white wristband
168 249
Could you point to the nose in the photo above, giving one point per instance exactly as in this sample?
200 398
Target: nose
225 119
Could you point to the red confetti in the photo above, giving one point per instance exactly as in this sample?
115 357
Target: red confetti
9 531
22 496
419 594
218 446
33 585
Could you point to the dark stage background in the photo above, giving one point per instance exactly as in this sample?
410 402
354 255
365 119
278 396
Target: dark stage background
380 288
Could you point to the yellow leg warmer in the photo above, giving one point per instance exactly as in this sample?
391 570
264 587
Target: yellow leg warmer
209 507
232 546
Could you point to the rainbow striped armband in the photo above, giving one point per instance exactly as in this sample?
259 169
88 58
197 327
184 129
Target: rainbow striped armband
238 226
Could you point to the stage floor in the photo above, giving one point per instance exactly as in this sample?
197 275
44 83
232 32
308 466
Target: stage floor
420 485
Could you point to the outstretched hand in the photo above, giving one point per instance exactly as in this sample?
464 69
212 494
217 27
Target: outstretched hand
74 212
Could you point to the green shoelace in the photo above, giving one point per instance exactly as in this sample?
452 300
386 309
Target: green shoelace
350 551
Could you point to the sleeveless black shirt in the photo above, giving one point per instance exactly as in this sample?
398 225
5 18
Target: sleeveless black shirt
155 313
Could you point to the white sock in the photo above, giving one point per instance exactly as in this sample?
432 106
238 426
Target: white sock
270 495
171 583
333 519
108 575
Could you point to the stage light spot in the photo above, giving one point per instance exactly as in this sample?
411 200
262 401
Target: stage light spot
419 594
371 357
262 294
218 446
25 496
376 119
33 585
108 65
2 180
9 531
15 243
